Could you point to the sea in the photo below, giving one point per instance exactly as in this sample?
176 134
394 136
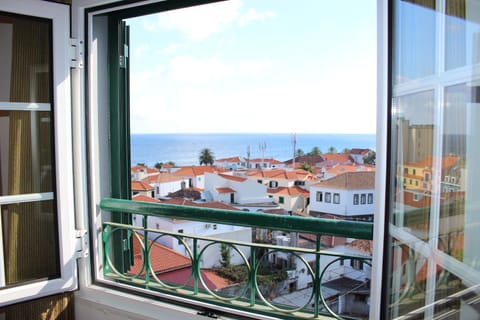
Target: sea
184 148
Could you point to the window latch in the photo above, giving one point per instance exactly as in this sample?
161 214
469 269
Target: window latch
76 54
81 244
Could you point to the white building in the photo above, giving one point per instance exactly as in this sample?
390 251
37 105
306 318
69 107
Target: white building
346 196
234 190
211 256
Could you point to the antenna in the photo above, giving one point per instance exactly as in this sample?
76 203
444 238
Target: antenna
263 147
294 144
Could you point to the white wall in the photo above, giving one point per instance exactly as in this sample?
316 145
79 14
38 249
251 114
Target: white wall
346 206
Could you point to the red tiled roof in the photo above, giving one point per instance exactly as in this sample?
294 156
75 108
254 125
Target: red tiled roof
162 259
166 177
141 186
350 180
289 191
233 178
192 171
225 190
337 157
344 168
231 159
140 197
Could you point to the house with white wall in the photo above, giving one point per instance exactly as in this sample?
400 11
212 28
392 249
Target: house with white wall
234 190
232 163
166 183
195 175
211 256
346 196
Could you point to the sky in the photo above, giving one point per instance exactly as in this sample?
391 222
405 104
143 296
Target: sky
257 66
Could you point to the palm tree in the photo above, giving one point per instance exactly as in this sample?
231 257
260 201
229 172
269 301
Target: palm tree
346 150
315 151
300 153
332 150
206 157
158 165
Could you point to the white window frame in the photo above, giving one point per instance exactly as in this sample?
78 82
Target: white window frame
64 193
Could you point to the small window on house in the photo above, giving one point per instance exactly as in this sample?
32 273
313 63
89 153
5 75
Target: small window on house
319 196
328 197
356 264
260 181
370 198
336 198
273 184
363 198
355 199
281 200
405 170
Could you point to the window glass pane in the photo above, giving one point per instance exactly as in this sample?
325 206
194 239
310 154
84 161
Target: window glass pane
33 255
414 51
28 226
25 152
462 33
434 222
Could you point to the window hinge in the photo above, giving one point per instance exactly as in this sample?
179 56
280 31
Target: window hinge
81 244
76 53
123 58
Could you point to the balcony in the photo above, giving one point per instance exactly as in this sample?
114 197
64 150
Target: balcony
257 280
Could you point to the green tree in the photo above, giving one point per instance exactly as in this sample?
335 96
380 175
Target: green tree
370 158
315 151
206 157
141 164
346 150
299 153
225 254
158 165
305 166
332 150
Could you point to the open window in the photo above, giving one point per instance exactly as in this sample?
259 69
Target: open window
37 243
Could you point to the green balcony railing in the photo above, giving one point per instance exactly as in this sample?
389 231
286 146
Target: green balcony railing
287 281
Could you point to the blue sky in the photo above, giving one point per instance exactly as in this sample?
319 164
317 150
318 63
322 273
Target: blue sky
255 66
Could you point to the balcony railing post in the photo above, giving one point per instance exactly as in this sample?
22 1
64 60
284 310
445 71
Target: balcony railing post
195 266
317 285
146 250
252 275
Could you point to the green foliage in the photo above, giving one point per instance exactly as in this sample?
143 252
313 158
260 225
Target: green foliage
332 149
370 158
206 157
158 165
226 254
305 166
315 151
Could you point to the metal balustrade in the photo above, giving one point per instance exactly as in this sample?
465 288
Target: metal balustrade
258 279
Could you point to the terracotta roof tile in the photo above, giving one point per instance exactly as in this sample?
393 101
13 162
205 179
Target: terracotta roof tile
225 190
141 186
289 191
140 197
233 178
350 180
162 259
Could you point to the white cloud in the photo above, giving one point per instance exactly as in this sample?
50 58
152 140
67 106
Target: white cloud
199 22
253 15
187 69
